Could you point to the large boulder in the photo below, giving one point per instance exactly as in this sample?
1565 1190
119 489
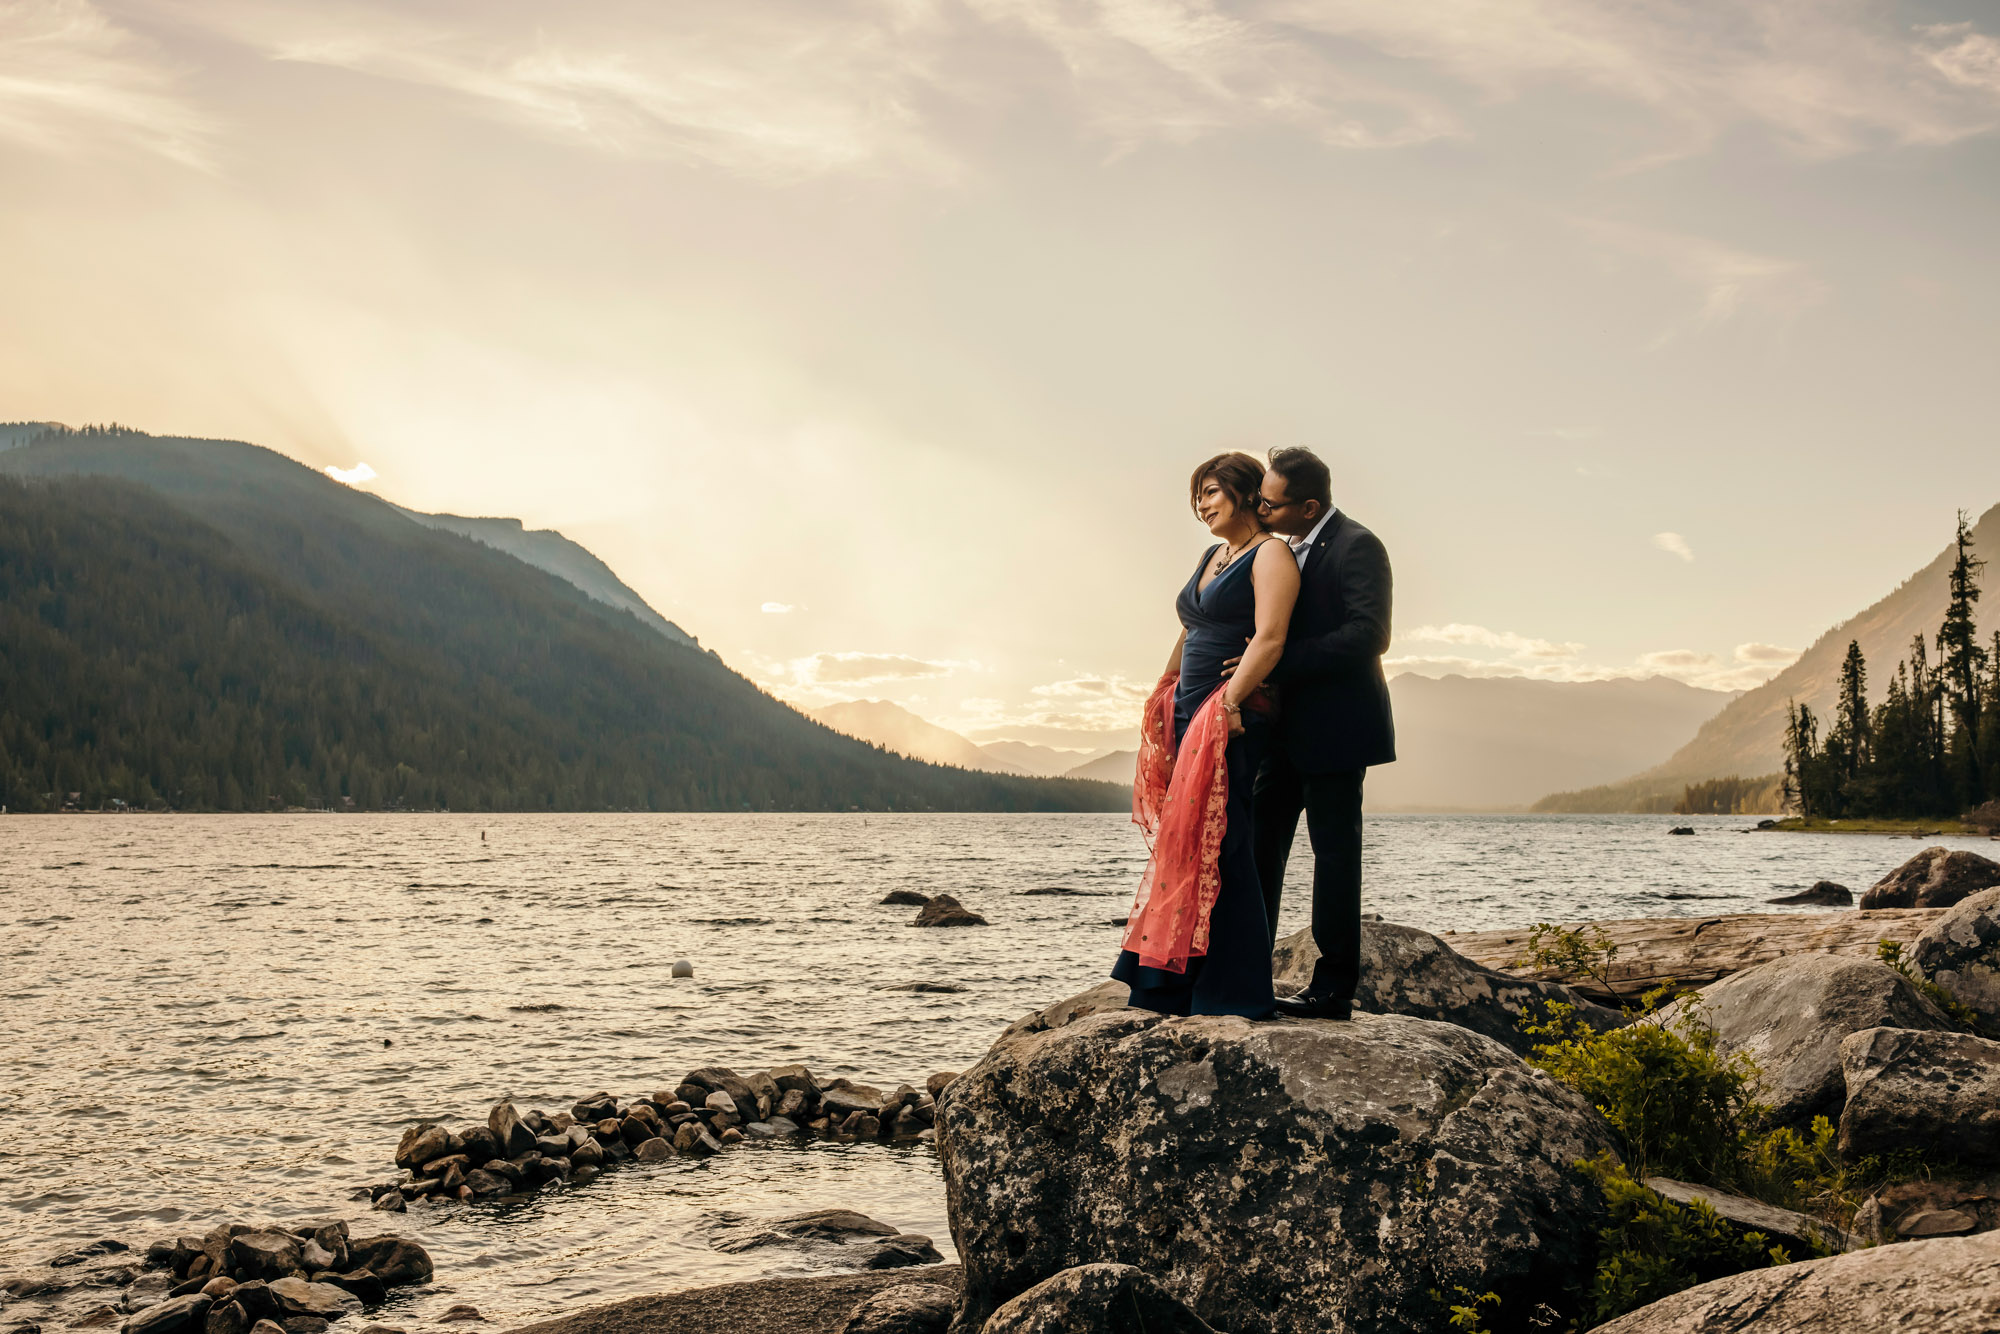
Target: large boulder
1278 1178
1950 1286
1934 878
268 1254
1960 952
944 910
1407 971
1936 1093
1790 1016
176 1315
1097 1299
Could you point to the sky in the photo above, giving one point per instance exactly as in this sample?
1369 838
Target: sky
873 341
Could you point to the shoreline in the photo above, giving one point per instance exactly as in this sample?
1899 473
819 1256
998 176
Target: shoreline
1888 828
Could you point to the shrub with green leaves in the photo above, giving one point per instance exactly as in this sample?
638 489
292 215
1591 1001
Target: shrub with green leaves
1653 1247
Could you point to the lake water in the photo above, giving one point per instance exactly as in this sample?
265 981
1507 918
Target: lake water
230 1018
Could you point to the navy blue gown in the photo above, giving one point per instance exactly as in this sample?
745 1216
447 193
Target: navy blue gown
1234 977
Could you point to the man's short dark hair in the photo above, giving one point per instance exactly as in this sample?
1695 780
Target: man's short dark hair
1237 473
1306 478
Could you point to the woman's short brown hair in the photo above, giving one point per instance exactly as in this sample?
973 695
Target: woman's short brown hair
1240 476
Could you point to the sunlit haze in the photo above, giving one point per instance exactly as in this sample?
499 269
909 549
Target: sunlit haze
873 342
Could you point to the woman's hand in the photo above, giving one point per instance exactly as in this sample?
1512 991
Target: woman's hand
1234 717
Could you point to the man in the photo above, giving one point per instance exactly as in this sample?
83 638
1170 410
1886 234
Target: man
1333 720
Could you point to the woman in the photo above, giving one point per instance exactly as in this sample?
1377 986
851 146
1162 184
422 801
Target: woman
1197 941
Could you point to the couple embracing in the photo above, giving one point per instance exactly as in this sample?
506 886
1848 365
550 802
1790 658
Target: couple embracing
1273 703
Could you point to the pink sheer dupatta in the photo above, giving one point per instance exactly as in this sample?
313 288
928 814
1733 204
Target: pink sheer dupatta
1180 801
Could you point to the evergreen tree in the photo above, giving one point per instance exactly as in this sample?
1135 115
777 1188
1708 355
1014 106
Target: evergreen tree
1961 662
1848 742
1802 761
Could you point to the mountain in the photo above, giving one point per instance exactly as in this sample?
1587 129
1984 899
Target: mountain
1498 743
1046 761
1747 738
1120 767
209 625
551 551
894 727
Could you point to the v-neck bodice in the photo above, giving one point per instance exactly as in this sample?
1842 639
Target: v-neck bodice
1220 620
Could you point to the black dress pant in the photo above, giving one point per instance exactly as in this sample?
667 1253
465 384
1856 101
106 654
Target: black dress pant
1332 806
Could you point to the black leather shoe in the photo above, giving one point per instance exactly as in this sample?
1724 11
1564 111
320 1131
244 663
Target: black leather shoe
1315 1007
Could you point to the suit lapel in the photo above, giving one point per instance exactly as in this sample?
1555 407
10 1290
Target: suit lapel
1317 556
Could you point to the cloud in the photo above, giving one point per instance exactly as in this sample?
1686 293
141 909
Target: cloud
849 669
1964 57
72 82
770 90
777 608
1751 666
1674 545
1733 283
359 474
1479 635
1762 654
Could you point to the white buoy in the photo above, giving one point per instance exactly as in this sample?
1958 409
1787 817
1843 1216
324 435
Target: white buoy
682 968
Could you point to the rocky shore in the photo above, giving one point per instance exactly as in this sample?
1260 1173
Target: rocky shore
1419 1168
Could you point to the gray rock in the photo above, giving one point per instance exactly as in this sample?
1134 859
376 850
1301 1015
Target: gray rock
461 1313
296 1296
509 1131
364 1285
901 1251
790 1078
1936 1223
694 1140
944 910
905 898
655 1150
553 1146
1279 1178
937 1083
759 1130
395 1202
1823 894
1948 1286
395 1260
1960 952
1097 1299
766 1091
421 1143
1407 971
909 1308
721 1079
597 1107
792 1104
175 1315
846 1101
1790 1016
834 1225
478 1144
1795 1231
107 1246
1934 878
720 1102
1936 1093
587 1154
227 1318
781 1125
265 1255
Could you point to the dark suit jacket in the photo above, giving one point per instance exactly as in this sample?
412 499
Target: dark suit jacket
1333 699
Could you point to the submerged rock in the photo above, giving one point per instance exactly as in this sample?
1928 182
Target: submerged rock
1935 1093
1823 894
944 910
1097 1299
1934 878
395 1260
834 1225
905 898
1407 971
1791 1015
1950 1286
1278 1178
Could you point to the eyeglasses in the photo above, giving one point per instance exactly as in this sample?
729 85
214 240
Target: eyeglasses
1265 505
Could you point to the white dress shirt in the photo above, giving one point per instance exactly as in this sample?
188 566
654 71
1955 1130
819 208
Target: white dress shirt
1302 546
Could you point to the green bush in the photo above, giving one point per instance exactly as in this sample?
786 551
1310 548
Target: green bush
1891 953
1653 1248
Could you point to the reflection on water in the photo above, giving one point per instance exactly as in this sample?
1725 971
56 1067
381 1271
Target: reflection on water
213 1019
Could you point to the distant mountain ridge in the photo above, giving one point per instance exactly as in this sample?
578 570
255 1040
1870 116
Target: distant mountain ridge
546 549
1747 738
207 624
893 727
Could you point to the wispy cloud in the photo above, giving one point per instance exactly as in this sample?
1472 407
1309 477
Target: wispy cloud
1520 646
777 609
1674 545
354 476
73 82
1750 665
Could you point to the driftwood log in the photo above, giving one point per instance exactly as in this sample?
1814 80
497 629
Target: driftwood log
1695 951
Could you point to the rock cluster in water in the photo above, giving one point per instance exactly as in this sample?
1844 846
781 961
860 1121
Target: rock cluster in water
238 1278
710 1110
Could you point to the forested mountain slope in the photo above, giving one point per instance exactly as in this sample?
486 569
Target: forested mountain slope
209 625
